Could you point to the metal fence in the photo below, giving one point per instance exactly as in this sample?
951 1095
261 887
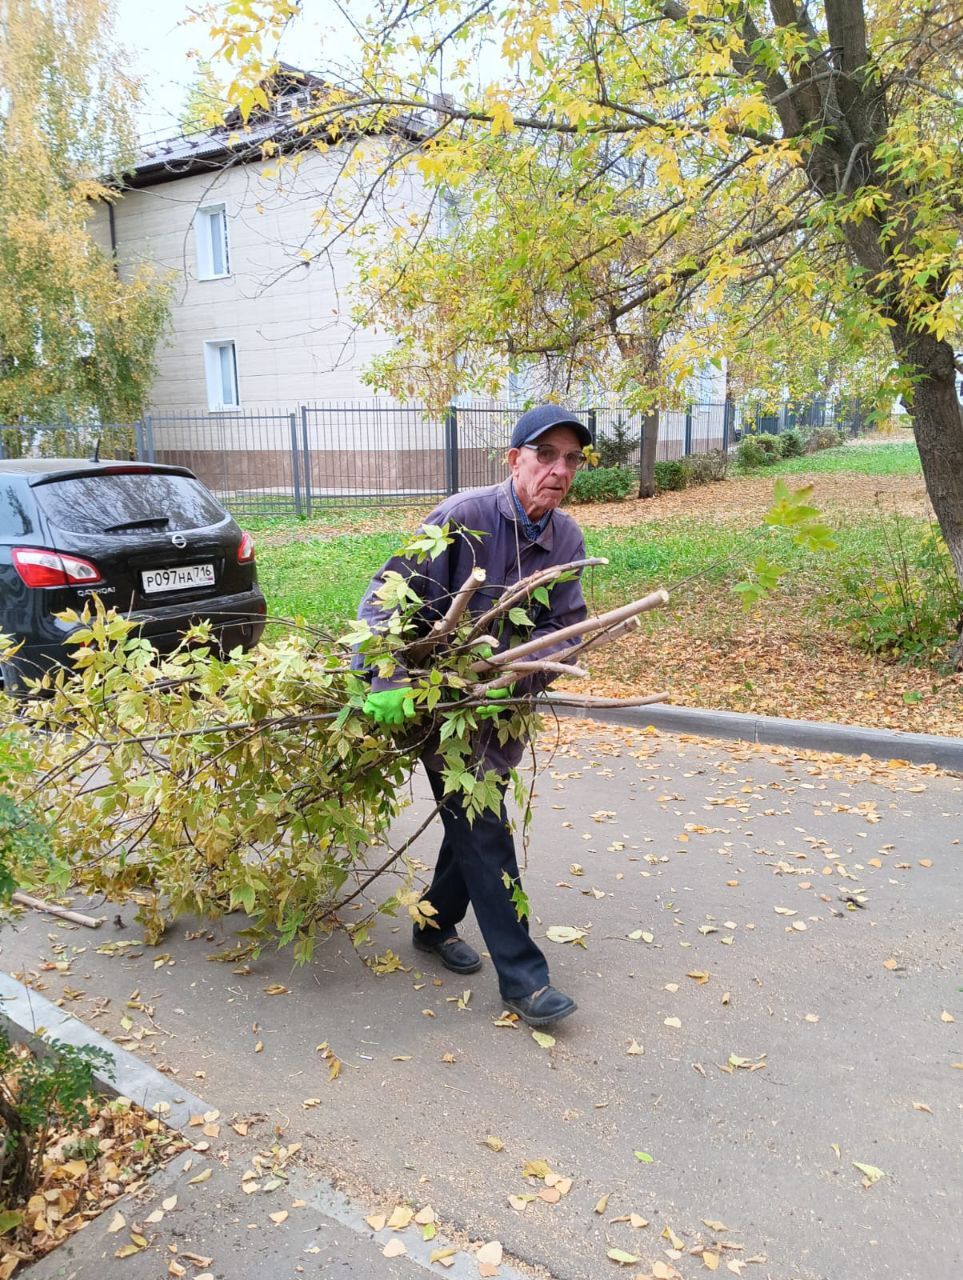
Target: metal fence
283 461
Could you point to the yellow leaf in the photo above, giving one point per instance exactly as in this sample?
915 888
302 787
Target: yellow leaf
603 1203
127 1251
200 1177
946 1017
443 1255
711 1260
502 119
673 1239
394 1248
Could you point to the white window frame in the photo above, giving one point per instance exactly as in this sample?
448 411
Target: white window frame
211 231
215 353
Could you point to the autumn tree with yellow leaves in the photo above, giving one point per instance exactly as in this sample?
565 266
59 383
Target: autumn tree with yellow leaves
641 185
76 342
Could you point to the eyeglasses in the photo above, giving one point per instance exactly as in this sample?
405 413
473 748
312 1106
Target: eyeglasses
548 456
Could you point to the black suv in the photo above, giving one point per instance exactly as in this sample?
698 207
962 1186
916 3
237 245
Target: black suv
149 539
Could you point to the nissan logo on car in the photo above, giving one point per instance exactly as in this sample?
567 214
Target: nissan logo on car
179 540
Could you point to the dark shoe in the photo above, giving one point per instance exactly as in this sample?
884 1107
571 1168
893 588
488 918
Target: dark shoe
542 1007
454 953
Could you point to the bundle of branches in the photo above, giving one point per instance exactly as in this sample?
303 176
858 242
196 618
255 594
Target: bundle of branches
201 784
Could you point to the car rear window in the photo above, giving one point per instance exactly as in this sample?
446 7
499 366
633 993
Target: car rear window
127 501
15 521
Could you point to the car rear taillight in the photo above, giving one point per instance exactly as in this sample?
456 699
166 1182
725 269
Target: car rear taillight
40 568
245 549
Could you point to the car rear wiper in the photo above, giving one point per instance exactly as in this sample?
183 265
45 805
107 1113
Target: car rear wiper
157 522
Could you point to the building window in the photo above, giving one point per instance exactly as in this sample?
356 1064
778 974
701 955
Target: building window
213 249
220 367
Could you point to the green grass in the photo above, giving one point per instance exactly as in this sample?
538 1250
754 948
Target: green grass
901 459
323 579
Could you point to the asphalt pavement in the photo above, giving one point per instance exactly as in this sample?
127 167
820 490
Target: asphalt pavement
765 1067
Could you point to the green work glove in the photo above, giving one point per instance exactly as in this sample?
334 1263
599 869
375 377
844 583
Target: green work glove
390 707
493 697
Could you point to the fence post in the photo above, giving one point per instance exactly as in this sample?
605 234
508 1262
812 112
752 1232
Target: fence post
688 431
728 413
451 450
147 439
591 423
295 463
306 459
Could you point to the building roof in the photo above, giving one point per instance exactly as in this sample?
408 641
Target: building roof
200 151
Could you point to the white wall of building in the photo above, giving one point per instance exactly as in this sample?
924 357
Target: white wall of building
288 317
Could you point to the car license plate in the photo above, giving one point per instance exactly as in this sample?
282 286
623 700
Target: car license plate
180 577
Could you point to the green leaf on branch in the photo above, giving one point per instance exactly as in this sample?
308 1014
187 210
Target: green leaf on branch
791 510
518 896
765 578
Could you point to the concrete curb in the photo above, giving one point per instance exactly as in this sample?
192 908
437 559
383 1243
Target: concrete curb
29 1018
807 735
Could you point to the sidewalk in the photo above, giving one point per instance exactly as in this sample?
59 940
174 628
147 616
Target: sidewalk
741 908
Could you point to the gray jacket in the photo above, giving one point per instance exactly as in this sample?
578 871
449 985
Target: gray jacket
506 555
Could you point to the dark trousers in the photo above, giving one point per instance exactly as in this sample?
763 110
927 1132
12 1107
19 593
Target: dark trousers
469 870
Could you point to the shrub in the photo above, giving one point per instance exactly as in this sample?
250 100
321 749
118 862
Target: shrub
669 476
703 468
770 445
616 449
791 444
602 484
823 438
760 450
36 1092
905 609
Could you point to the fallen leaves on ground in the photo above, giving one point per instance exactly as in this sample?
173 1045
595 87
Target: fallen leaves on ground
120 1145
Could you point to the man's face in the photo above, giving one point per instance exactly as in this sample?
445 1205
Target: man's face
542 486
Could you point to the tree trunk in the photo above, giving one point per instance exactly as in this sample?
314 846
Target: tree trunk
650 440
938 427
643 350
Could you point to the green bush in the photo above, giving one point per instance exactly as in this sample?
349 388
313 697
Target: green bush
669 476
906 608
770 445
704 468
758 450
36 1092
791 444
751 453
602 484
616 448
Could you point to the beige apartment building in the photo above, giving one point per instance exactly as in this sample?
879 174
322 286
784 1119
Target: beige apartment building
259 318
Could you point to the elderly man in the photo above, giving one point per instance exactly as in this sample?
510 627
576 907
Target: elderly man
522 532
